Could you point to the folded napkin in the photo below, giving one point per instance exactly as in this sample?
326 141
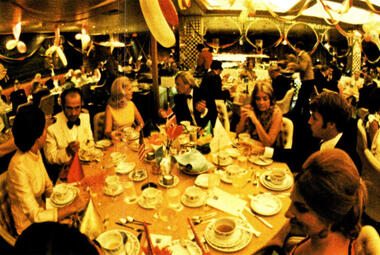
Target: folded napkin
195 160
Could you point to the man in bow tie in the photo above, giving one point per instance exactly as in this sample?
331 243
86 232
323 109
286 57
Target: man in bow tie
71 131
193 103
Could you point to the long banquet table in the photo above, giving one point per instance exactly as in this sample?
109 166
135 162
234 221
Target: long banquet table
111 209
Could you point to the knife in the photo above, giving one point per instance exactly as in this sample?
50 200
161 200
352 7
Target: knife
266 223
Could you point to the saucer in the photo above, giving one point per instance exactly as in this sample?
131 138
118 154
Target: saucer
232 152
202 180
191 248
266 204
70 195
260 161
102 144
125 167
286 184
240 239
137 178
225 162
111 193
201 201
144 204
175 182
131 246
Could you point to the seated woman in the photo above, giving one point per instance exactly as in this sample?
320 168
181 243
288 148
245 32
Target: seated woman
327 204
373 122
28 181
262 118
121 112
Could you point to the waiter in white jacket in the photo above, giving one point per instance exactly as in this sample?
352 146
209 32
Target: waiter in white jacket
71 130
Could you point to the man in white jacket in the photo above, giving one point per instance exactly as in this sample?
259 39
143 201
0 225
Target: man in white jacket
71 131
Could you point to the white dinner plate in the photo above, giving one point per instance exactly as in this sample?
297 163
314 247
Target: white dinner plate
191 248
260 161
132 244
125 167
67 199
112 193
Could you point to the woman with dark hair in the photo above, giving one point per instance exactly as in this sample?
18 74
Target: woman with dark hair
28 181
121 111
327 204
262 118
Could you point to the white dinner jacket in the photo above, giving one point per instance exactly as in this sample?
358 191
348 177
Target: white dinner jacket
58 137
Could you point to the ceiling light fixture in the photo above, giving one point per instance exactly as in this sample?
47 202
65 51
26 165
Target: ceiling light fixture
11 44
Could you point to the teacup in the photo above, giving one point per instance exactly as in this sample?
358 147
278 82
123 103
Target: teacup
112 243
277 176
150 195
233 170
112 182
224 227
192 194
61 192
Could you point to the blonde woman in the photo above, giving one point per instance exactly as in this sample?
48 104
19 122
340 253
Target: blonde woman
121 112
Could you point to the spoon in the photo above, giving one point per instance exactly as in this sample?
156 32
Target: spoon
130 219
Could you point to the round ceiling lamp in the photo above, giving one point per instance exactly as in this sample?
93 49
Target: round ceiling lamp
298 32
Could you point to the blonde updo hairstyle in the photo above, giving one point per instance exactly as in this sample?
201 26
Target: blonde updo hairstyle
118 89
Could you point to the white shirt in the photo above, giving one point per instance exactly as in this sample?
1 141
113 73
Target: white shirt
330 144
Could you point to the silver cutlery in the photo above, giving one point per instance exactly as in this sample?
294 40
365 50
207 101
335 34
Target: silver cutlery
126 226
130 219
266 223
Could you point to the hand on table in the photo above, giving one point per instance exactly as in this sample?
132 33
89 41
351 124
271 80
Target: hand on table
81 201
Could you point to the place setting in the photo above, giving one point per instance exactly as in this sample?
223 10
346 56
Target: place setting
125 167
228 234
119 242
63 194
149 198
103 144
276 179
194 197
138 175
260 160
231 171
266 204
113 186
168 181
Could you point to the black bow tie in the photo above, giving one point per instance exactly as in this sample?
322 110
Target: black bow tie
188 96
70 124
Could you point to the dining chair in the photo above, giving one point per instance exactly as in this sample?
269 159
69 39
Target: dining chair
47 105
284 103
368 241
285 137
361 141
7 230
362 112
371 174
223 113
99 125
24 104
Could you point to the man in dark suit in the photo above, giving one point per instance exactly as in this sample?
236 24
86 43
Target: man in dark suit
212 83
331 126
280 83
192 103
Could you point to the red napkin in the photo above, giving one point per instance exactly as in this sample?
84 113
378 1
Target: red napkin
75 173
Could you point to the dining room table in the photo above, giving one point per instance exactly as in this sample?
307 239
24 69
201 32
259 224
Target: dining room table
114 208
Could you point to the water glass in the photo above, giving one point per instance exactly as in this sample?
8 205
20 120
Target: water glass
130 192
240 180
173 199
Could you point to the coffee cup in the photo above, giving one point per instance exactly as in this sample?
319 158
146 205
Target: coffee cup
224 227
277 176
167 179
61 192
112 243
233 170
150 195
192 194
112 182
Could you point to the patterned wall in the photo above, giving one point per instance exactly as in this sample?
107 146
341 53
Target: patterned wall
356 54
190 33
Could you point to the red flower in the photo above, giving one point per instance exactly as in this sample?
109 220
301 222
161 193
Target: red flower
174 131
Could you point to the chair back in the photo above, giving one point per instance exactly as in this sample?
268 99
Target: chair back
371 174
7 230
99 125
24 104
362 113
368 241
285 137
284 103
86 93
47 105
361 140
223 113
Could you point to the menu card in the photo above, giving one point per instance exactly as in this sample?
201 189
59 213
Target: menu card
226 202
